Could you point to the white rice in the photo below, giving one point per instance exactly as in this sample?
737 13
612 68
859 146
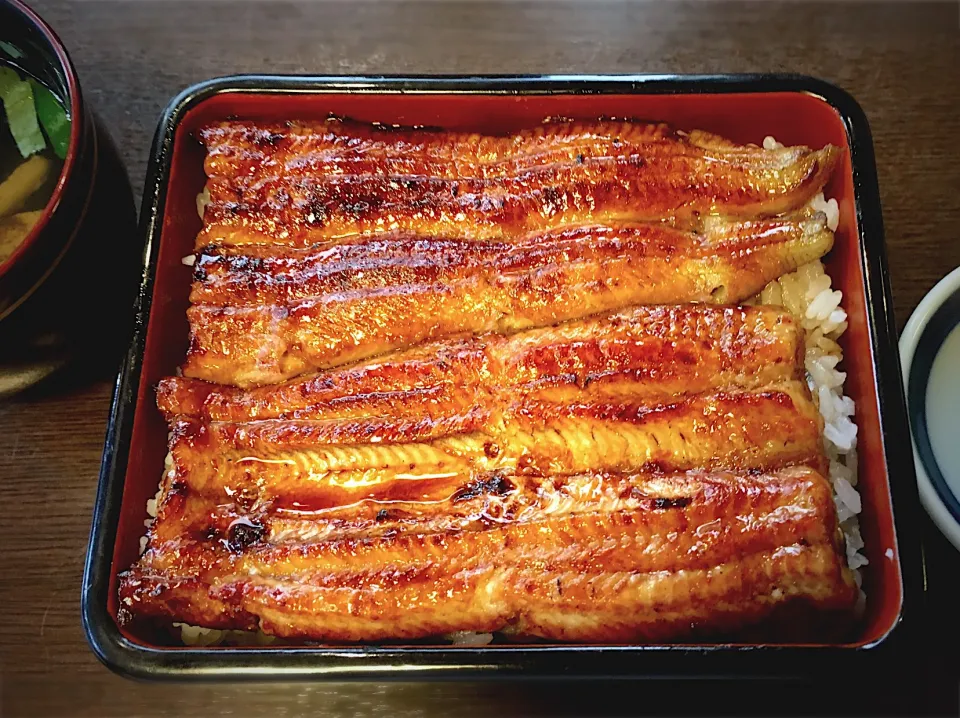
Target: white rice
152 506
469 638
203 199
808 294
199 636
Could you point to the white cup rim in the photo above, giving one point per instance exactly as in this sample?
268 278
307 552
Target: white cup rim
909 339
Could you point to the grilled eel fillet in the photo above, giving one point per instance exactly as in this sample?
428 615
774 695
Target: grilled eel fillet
329 243
303 184
591 557
616 479
264 314
667 350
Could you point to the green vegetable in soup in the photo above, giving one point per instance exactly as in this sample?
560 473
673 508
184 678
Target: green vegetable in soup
17 96
10 50
53 118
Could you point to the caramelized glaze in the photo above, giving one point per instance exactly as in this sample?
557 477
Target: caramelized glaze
444 382
265 314
593 557
310 183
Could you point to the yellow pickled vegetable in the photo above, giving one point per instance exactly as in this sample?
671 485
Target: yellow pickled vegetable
13 230
26 179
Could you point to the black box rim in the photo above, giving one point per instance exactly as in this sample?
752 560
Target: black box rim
419 663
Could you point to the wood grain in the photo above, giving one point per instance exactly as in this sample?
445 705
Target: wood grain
900 60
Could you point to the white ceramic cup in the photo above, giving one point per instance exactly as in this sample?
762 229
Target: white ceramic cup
931 489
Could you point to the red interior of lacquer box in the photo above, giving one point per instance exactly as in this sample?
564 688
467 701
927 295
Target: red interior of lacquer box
793 118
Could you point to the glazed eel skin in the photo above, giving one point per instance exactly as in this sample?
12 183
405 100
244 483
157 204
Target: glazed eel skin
442 382
596 557
652 475
328 243
301 184
263 314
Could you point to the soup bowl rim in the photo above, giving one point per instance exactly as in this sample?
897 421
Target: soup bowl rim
76 115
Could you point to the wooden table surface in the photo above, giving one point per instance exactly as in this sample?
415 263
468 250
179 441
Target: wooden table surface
902 62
